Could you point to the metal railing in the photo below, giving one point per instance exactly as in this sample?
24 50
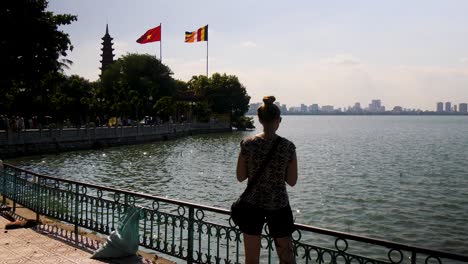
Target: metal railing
193 232
61 135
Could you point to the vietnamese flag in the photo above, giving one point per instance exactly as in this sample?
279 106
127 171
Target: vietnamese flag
151 35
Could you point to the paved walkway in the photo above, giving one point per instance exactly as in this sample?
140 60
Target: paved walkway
48 245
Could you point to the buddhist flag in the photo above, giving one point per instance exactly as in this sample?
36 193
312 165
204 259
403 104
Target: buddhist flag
151 35
189 36
200 35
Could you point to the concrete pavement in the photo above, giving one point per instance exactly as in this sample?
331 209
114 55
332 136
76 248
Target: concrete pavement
45 244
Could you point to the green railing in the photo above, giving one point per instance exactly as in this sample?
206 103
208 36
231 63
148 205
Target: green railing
193 232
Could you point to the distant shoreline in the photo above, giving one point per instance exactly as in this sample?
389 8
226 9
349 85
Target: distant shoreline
383 114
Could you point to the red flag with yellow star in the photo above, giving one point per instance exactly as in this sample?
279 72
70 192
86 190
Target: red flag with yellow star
151 35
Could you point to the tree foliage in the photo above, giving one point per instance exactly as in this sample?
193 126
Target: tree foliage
30 49
223 93
134 82
73 99
165 107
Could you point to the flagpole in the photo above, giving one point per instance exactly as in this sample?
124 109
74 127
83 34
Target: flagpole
206 58
160 44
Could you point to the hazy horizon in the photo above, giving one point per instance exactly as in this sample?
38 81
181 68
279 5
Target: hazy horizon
411 54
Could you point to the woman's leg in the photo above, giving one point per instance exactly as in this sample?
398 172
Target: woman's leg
252 249
285 251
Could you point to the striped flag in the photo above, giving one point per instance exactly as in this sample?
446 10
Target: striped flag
200 35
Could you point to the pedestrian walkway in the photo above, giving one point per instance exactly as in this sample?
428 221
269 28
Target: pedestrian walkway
43 244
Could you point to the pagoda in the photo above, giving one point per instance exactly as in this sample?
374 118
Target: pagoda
107 51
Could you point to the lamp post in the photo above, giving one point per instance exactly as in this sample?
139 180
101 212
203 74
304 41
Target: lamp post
150 99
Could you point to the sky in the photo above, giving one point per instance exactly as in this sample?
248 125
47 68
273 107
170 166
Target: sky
406 53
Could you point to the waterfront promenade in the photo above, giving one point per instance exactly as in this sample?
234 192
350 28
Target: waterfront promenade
26 245
40 141
54 242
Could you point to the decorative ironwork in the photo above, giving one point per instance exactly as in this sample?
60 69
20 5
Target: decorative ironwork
193 232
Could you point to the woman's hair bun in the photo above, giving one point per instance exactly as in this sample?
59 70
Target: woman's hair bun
268 112
269 100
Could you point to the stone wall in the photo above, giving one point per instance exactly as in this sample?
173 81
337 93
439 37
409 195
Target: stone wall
32 142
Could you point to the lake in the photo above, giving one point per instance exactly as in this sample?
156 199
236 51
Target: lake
398 178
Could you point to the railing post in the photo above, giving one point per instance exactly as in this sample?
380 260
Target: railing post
4 186
191 220
413 257
77 203
14 192
38 197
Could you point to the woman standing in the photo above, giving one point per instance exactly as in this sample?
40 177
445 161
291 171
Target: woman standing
267 197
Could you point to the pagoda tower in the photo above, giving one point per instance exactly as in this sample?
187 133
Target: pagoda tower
107 51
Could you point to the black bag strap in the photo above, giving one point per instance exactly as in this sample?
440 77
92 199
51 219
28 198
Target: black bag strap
262 167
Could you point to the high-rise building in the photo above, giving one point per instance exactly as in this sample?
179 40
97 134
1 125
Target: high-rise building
327 108
455 108
283 109
294 109
253 108
448 107
440 107
376 106
303 108
397 109
314 108
357 107
107 51
462 108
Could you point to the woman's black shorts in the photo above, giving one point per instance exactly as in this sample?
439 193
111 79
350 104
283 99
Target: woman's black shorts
280 221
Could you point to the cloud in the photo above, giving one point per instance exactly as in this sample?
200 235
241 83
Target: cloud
464 60
248 44
170 60
184 70
327 81
342 59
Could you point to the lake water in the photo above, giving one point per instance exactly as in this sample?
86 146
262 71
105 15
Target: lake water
399 178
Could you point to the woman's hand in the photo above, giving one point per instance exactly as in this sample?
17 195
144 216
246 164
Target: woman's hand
291 176
241 171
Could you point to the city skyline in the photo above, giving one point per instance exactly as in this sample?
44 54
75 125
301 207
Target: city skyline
375 106
406 53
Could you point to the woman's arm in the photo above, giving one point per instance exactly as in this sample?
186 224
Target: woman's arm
241 170
291 176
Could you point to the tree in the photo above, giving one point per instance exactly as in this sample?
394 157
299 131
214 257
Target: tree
30 49
133 82
199 85
165 107
223 93
73 99
201 111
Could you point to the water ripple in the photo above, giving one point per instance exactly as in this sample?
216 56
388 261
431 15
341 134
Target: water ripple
398 178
